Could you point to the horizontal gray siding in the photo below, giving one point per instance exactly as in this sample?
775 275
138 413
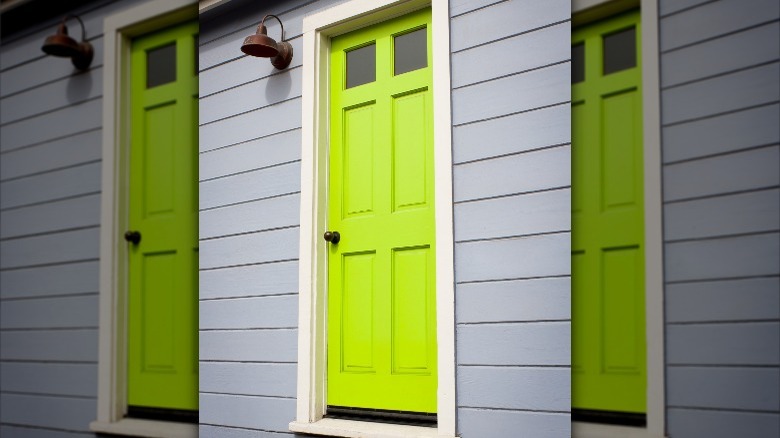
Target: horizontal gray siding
250 149
50 152
720 61
511 137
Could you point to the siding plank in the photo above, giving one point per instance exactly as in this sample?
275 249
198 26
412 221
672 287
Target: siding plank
263 379
530 50
535 256
743 256
50 313
531 171
50 280
263 183
252 216
546 343
71 414
53 216
714 19
484 423
206 430
263 247
723 344
50 186
63 93
63 122
258 280
49 345
729 300
249 345
54 248
64 152
255 124
275 149
532 213
517 300
693 423
242 411
540 389
732 214
256 312
722 55
32 432
726 133
719 175
49 378
506 19
534 89
737 388
251 96
734 91
512 134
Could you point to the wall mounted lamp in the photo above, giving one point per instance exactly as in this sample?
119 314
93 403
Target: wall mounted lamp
60 44
263 46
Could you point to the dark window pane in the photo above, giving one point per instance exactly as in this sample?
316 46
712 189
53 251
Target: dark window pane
577 63
619 51
411 51
361 66
161 65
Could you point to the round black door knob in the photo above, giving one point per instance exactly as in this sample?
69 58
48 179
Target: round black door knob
133 237
332 236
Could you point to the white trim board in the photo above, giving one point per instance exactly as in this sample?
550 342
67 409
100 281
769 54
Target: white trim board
118 29
317 30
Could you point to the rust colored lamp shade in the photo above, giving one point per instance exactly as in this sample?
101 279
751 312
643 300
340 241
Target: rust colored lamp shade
263 46
62 45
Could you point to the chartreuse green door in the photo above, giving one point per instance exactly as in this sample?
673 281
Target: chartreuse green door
162 306
381 274
608 311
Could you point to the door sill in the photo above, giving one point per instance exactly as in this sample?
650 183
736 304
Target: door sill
364 429
146 428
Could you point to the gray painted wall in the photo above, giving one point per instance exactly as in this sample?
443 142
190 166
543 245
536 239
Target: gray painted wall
720 98
50 149
511 230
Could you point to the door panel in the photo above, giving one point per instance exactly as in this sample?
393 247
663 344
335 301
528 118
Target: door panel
381 275
608 312
162 279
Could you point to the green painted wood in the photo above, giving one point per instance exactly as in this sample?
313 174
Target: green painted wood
608 311
163 267
381 275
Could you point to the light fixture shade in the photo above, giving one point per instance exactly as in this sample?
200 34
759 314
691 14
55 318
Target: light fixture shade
260 44
263 46
60 44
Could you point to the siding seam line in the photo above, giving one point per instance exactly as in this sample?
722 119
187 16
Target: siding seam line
47 112
512 154
247 264
489 408
720 114
48 233
509 75
243 172
493 280
215 207
44 265
221 119
470 122
41 394
513 237
719 75
232 87
721 154
45 297
478 9
45 83
717 195
52 170
244 428
287 294
40 143
508 195
718 36
249 141
555 23
724 236
709 280
687 8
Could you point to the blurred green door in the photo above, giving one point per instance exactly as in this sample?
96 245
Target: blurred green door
381 289
608 298
163 208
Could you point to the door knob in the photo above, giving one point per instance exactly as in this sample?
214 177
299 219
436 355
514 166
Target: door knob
133 236
332 236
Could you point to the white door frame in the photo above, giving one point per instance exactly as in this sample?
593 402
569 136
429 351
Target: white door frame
312 337
118 31
654 281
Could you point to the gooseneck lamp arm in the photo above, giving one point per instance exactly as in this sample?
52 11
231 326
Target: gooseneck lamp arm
281 35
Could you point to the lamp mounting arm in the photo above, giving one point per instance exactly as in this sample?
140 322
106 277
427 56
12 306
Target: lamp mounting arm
262 23
83 28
